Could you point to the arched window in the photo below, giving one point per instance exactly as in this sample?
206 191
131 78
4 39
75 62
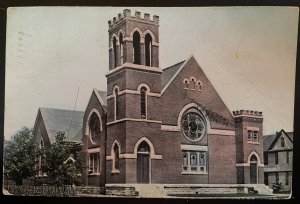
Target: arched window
148 50
253 158
94 127
199 83
193 84
143 147
136 48
116 157
186 83
121 48
116 103
143 102
41 161
282 142
115 51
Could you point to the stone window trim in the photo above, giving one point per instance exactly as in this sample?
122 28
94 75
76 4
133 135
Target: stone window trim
253 135
193 83
116 89
199 84
142 35
186 83
133 155
193 125
143 102
196 154
136 92
113 157
259 162
87 130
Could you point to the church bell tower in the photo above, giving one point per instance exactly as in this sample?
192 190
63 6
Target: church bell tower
133 93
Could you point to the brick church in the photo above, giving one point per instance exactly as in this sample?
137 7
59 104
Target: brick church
164 126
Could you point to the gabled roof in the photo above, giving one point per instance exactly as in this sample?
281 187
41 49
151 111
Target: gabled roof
169 72
68 121
270 140
102 97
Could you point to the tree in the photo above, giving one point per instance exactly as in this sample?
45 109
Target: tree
20 156
60 165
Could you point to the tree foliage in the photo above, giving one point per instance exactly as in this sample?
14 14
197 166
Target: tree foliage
60 165
20 155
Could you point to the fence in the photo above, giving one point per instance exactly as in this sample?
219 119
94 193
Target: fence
58 191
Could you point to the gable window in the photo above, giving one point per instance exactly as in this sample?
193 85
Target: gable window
199 83
94 163
115 51
136 48
116 165
253 136
116 93
186 83
94 127
121 48
148 50
282 142
194 162
143 102
193 84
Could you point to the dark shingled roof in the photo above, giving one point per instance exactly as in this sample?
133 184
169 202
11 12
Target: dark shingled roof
60 120
268 140
103 95
169 72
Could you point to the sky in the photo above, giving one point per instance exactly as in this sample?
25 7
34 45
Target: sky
248 54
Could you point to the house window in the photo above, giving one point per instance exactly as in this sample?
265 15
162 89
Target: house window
286 178
287 157
94 127
253 136
116 157
194 162
116 93
266 179
282 143
276 157
265 158
148 50
136 48
143 102
115 51
121 48
94 163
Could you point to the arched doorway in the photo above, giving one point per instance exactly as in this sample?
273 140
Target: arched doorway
143 163
253 169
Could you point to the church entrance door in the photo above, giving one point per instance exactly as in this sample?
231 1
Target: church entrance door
253 169
143 163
